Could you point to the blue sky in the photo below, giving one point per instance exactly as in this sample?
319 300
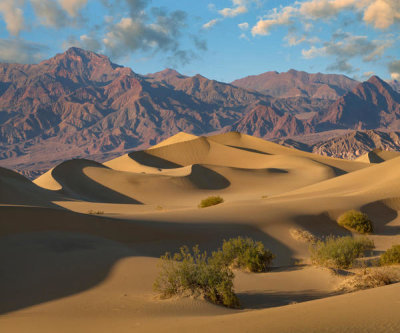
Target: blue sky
222 40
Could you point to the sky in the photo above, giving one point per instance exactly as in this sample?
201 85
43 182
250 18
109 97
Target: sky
219 39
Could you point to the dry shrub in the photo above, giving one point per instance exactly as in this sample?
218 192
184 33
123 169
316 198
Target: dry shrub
194 273
303 236
370 278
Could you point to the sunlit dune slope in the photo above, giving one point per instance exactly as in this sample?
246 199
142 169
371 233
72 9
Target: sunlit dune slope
182 169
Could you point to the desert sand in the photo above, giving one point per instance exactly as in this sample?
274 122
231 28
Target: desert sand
65 269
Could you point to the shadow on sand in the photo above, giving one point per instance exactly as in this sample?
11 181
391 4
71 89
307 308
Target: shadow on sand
47 254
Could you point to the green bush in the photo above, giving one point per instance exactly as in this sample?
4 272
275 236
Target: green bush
211 201
356 221
391 256
339 252
196 274
245 253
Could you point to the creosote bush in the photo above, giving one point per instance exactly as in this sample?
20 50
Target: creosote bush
391 256
187 273
339 252
356 221
245 253
195 273
211 201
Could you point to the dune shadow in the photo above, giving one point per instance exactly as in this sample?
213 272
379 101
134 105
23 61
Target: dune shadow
47 254
381 215
269 299
251 150
321 225
75 184
16 189
276 170
207 179
147 159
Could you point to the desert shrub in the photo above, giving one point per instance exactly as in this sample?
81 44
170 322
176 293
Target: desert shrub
339 252
391 256
244 253
211 201
303 236
187 273
370 278
356 220
95 212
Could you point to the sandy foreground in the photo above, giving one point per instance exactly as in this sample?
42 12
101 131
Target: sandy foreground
65 270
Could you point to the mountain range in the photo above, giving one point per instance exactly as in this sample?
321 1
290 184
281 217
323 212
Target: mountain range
80 104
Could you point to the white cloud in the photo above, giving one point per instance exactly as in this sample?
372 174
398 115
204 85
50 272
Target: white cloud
243 36
243 26
276 18
367 75
210 24
394 69
72 7
20 51
232 12
13 15
380 13
49 13
345 47
130 34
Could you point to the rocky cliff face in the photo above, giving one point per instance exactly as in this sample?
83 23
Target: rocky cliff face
351 145
370 105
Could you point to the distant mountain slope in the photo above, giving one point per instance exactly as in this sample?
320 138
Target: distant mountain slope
298 84
370 105
351 145
80 104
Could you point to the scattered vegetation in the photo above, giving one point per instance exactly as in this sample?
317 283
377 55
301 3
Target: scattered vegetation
356 221
339 252
370 278
303 236
194 273
187 273
211 201
95 212
246 254
391 256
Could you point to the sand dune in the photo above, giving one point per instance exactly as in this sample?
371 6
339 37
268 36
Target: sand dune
96 270
378 156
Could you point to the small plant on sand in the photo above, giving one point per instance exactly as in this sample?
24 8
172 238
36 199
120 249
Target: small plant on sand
246 254
370 278
211 201
194 273
391 256
303 236
95 212
187 273
356 221
339 252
